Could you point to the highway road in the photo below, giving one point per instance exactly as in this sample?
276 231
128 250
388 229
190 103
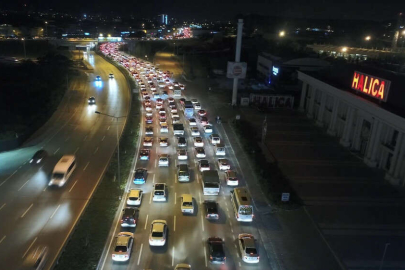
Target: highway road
188 234
32 213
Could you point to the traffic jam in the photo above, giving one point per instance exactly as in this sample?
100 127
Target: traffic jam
172 121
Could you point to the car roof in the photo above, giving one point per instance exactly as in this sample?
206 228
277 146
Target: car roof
187 197
122 240
158 225
249 242
134 192
64 163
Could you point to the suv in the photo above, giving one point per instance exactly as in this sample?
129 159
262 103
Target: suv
216 250
129 217
203 165
134 197
211 210
123 246
159 192
247 248
183 175
140 176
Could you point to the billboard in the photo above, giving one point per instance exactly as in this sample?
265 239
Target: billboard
236 70
371 86
273 101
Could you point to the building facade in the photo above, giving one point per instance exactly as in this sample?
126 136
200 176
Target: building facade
375 133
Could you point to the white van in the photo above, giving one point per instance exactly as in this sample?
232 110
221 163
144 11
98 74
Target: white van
219 149
63 170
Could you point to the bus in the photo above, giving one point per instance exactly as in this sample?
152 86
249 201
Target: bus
242 204
188 109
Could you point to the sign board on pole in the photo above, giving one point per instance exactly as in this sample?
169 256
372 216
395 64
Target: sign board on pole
244 101
285 197
236 70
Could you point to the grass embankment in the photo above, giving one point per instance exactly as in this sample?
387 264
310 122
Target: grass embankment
84 249
31 92
33 48
271 179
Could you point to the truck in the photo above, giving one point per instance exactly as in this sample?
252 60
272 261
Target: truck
178 129
210 182
188 109
177 92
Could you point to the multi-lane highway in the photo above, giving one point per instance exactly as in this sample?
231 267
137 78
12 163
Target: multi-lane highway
188 234
32 213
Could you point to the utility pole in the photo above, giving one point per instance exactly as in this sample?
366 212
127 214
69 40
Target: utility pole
25 52
237 60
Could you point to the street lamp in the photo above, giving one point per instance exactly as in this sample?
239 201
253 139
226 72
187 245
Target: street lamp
367 38
46 28
344 49
118 145
25 53
281 34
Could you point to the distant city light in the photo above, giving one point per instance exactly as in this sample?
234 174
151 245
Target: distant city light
87 34
403 32
100 35
367 38
344 49
281 34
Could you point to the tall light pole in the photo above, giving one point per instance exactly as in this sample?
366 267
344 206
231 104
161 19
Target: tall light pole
237 60
46 29
118 147
25 52
383 257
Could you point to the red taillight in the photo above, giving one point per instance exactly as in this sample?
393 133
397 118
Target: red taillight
162 240
126 256
210 257
122 221
113 255
134 221
208 215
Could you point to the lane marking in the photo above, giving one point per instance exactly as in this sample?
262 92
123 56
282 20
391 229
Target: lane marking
175 178
54 212
198 181
140 253
85 138
234 238
202 223
154 178
45 188
205 255
199 194
155 162
23 185
173 257
150 199
96 150
26 211
240 265
103 138
8 178
29 247
67 139
20 167
73 186
175 197
174 228
108 128
86 166
146 222
4 204
231 230
235 246
77 149
237 254
4 237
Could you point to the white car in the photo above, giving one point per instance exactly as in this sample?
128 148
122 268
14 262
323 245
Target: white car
195 131
134 197
149 113
203 165
181 86
247 247
198 142
223 164
176 119
197 106
214 139
194 101
158 233
153 87
163 141
163 160
159 105
170 86
192 122
173 110
208 129
182 154
200 152
161 84
148 141
123 246
159 192
164 128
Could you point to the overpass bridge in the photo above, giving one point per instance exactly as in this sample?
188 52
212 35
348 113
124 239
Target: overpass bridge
74 43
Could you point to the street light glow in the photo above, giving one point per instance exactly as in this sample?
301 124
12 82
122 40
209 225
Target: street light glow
367 38
281 34
344 49
100 35
403 32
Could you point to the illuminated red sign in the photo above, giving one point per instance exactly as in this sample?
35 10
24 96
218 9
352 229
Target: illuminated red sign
372 86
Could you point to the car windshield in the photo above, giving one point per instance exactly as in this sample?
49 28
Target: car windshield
163 159
183 173
187 204
217 250
120 249
157 234
251 251
246 210
58 175
133 198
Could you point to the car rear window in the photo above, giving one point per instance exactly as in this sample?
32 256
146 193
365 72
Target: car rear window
252 251
58 175
187 204
157 234
120 249
159 192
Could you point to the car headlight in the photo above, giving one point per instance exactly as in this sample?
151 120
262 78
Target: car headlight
39 160
31 160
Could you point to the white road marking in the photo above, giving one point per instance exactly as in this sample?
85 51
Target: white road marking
235 246
240 265
237 254
202 222
45 188
174 227
20 167
229 216
77 150
73 186
85 138
103 138
108 128
55 212
155 162
175 178
234 238
29 247
175 197
231 230
86 166
199 194
226 204
8 178
26 211
146 222
25 163
227 209
23 185
140 253
198 181
67 139
96 150
173 257
154 178
205 255
150 199
4 237
2 206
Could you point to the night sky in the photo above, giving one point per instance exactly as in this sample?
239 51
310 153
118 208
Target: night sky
226 9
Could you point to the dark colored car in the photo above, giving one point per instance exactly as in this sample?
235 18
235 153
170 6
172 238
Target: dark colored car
182 100
181 142
92 100
140 176
129 217
216 250
144 154
38 157
211 210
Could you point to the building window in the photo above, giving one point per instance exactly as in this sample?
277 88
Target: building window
394 138
329 103
388 164
342 111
